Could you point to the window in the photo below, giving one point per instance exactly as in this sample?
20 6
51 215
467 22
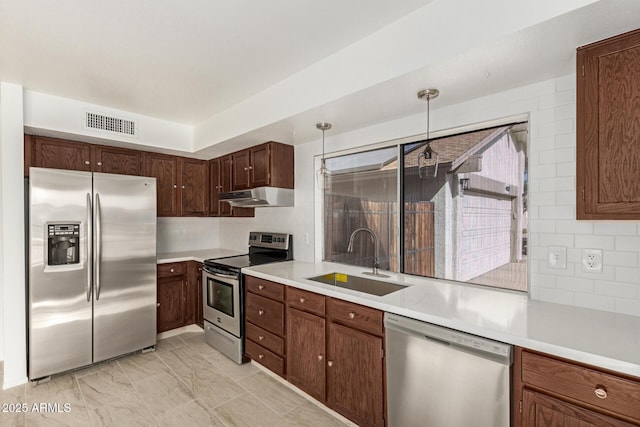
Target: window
464 207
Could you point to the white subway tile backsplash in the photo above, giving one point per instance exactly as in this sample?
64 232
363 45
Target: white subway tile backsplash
565 140
558 155
595 242
556 295
616 289
597 302
620 259
615 227
543 171
574 227
543 225
565 198
562 97
556 127
567 111
576 284
566 169
627 275
557 184
555 239
543 116
566 82
556 212
628 243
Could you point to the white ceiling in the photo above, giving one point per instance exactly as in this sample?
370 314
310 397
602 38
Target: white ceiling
248 71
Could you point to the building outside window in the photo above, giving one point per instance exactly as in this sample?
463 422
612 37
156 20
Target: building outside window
463 201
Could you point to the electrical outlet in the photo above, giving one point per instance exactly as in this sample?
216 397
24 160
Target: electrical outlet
557 257
592 260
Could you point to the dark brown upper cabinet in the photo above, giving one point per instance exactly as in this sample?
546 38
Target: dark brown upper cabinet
215 188
269 164
164 169
608 129
59 154
117 160
194 187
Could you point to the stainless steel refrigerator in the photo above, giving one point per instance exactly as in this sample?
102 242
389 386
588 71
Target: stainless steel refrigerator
92 274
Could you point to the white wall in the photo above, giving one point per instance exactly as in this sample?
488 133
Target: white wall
181 234
50 114
12 280
551 105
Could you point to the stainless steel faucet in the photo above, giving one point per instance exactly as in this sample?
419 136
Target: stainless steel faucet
376 262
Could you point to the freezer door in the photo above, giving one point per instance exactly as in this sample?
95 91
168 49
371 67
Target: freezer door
124 285
59 300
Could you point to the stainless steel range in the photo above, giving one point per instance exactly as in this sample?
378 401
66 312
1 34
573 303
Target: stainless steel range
223 289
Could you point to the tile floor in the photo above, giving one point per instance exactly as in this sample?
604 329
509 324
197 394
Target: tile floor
183 383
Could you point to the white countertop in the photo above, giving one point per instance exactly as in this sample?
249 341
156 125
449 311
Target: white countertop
598 338
195 255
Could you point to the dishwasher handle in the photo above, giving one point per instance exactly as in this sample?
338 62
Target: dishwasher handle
484 347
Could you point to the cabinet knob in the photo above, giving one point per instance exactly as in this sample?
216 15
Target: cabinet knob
99 163
261 337
157 304
302 300
87 162
320 357
175 186
260 312
250 167
171 270
601 392
261 356
352 315
246 169
199 268
330 363
261 287
183 187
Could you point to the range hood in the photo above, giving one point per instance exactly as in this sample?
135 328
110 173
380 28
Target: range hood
260 197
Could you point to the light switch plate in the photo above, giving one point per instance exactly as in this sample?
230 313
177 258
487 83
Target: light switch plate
557 257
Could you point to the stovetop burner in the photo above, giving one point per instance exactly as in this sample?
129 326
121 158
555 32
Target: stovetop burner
264 248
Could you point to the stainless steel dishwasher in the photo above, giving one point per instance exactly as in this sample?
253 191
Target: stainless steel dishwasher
439 377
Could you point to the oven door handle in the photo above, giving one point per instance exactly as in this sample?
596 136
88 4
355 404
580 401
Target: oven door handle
225 276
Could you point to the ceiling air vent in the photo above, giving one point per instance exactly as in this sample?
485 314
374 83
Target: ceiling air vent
111 124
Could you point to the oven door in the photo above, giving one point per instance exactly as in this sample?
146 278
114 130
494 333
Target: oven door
221 305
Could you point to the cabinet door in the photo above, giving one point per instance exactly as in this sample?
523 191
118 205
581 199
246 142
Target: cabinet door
171 299
608 129
214 187
259 168
306 361
241 164
60 154
226 183
355 385
540 410
194 187
117 160
164 169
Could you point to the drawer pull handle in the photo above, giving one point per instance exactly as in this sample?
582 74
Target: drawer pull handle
302 300
261 356
601 392
261 287
260 312
261 337
330 363
320 357
352 315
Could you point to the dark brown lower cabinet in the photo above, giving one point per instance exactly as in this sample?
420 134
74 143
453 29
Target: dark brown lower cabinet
540 410
355 375
171 303
306 364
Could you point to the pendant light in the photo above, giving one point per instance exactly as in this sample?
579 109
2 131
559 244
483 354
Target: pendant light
428 153
323 175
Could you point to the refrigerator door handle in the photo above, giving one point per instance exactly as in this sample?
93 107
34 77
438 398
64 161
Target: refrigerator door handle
96 252
88 247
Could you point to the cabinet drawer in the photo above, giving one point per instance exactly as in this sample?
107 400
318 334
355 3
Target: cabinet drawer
264 288
602 390
265 338
172 269
266 358
356 316
265 313
306 301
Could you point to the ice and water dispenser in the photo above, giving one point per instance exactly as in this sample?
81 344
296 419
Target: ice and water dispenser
63 244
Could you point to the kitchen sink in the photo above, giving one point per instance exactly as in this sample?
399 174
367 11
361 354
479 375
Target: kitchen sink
360 284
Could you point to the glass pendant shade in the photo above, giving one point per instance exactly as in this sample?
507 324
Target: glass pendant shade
323 176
